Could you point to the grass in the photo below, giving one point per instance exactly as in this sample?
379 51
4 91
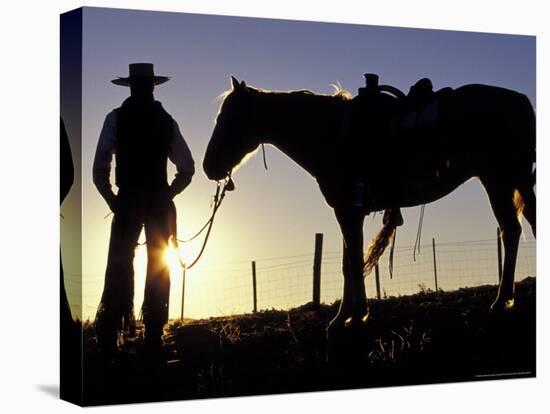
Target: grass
424 338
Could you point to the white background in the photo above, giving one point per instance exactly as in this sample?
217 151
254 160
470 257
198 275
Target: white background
29 221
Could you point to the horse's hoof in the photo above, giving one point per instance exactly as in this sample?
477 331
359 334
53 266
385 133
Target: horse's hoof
338 322
346 342
356 321
502 306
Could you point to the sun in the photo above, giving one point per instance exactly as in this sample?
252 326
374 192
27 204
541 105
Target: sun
171 257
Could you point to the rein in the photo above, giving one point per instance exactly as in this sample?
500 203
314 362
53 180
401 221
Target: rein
228 185
221 189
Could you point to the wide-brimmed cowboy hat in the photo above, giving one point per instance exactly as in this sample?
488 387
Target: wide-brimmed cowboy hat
141 71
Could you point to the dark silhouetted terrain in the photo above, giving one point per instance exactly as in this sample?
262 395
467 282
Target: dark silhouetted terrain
418 339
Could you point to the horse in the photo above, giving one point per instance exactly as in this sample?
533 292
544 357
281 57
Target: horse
486 132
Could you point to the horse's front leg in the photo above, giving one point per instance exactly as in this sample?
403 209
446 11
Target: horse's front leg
345 309
353 308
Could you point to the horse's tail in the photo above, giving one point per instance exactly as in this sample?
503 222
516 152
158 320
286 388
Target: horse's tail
528 171
378 245
519 203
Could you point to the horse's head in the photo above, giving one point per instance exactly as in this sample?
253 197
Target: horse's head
233 136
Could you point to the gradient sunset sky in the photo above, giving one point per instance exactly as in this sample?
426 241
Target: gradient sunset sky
272 213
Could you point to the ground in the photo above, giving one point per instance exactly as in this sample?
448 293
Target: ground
424 338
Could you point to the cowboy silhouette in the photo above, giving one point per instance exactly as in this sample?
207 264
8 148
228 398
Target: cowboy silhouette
143 136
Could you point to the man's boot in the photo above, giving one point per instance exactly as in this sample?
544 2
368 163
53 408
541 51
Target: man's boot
106 333
153 343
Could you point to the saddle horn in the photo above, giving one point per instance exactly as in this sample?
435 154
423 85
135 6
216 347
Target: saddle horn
371 83
392 90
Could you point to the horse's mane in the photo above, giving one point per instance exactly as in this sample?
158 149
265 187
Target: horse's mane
339 93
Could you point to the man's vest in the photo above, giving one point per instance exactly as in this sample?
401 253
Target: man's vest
145 131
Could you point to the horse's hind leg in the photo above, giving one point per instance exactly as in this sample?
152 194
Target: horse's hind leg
529 206
502 203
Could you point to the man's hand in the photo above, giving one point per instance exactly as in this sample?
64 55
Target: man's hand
180 182
170 193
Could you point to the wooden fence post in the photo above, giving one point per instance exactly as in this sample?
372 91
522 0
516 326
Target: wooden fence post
435 264
377 275
317 268
499 255
254 291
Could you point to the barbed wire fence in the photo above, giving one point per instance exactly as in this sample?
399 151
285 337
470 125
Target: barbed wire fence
290 281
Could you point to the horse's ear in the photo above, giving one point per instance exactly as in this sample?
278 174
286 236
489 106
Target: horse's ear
234 82
243 85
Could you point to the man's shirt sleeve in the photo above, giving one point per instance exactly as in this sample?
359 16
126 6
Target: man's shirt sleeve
181 156
103 156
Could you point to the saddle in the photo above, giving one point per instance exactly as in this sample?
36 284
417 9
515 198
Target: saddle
403 130
418 112
421 108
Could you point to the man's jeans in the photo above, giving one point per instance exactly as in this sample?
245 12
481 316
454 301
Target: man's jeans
135 210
